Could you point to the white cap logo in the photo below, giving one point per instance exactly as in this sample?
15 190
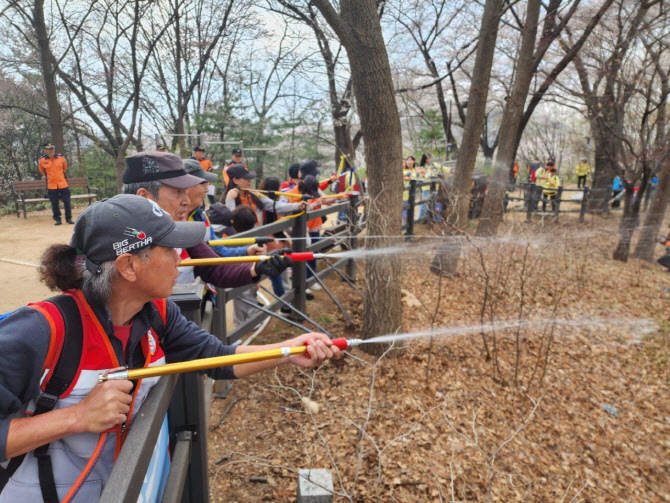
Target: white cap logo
156 209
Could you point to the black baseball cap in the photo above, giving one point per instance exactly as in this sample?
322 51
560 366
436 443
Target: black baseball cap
160 146
237 151
192 167
158 166
198 148
125 224
239 171
220 214
48 145
309 168
310 185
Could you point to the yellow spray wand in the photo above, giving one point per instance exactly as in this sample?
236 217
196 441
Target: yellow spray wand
296 257
240 241
215 362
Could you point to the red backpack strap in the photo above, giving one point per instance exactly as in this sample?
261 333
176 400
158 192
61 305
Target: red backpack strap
55 320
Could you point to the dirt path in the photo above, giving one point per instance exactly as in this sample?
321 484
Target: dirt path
25 240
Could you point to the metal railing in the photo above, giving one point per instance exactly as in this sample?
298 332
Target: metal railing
532 197
185 397
421 193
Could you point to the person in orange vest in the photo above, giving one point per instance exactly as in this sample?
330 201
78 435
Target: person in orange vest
514 173
53 167
199 155
236 158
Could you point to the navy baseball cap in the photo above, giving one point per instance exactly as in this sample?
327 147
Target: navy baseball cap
237 151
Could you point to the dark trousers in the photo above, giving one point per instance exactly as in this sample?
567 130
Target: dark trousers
278 285
548 197
535 195
64 195
581 180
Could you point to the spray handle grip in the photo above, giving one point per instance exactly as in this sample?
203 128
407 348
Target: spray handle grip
300 257
341 343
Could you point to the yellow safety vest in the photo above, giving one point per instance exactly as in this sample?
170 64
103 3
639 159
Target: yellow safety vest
541 175
550 185
583 169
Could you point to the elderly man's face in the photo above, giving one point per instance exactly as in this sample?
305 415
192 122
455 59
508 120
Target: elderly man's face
196 196
199 155
172 200
50 152
237 158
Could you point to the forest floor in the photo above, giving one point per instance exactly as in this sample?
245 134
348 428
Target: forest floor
570 405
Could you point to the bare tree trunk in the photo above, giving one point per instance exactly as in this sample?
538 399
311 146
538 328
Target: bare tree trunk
604 167
359 30
343 144
474 120
511 120
654 218
467 155
626 227
49 75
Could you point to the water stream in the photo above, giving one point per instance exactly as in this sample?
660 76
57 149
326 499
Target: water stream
639 327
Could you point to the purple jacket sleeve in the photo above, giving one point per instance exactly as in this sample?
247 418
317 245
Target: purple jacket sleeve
224 276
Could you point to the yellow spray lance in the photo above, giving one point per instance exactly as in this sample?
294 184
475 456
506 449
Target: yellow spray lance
296 257
217 361
240 241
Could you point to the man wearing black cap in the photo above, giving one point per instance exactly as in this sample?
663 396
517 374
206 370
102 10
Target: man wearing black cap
116 273
53 166
160 147
161 177
199 155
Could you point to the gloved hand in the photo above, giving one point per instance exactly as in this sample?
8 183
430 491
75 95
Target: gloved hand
276 265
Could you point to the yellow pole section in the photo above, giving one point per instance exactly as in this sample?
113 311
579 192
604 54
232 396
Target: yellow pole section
276 193
210 363
223 260
232 241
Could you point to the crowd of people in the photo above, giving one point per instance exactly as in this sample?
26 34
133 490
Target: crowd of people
427 168
60 430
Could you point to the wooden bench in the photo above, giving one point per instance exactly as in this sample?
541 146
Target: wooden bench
19 190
